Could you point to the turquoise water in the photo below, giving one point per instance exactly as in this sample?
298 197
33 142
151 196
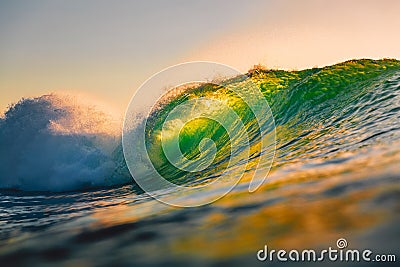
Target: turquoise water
68 199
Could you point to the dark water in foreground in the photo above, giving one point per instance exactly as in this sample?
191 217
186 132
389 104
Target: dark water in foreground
336 175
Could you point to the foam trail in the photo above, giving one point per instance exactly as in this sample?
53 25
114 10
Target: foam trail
50 143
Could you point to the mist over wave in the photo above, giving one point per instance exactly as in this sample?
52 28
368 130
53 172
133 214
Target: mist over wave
54 143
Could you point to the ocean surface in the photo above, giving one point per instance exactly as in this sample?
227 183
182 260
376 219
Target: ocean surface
67 197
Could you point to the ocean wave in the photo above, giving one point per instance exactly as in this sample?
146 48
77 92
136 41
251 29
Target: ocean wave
50 143
318 113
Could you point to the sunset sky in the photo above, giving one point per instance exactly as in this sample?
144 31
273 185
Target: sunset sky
104 50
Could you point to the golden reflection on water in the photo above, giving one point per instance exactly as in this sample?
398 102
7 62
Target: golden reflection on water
306 218
295 223
299 207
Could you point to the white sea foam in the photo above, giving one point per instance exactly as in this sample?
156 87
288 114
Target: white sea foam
52 143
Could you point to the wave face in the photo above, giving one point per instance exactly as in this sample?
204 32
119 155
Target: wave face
52 143
319 113
49 144
322 114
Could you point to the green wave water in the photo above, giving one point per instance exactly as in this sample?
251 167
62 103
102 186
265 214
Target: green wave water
310 108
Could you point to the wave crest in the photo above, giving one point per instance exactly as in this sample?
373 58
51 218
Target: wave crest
52 143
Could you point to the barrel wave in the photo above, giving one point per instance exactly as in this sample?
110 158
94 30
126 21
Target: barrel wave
323 116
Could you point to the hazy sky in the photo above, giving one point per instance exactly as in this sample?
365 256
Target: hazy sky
104 50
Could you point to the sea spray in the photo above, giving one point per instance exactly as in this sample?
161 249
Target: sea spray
50 143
